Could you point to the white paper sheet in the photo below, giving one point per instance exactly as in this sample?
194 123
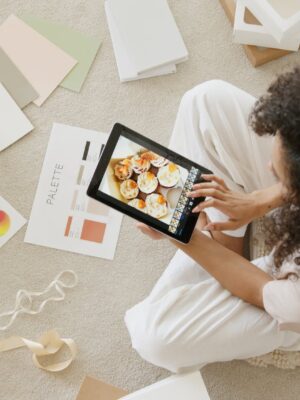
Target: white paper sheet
177 387
13 122
63 216
10 221
149 33
127 71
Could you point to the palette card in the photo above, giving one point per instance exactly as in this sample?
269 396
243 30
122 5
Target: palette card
42 63
13 122
177 387
126 69
63 216
81 47
10 221
15 82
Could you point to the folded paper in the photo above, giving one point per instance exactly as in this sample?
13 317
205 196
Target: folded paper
48 345
81 47
248 30
42 63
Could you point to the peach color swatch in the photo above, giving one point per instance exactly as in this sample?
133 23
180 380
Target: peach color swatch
42 63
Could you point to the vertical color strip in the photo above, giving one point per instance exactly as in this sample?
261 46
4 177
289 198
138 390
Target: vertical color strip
80 173
86 151
75 195
68 226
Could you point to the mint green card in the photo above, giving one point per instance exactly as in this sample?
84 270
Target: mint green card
78 45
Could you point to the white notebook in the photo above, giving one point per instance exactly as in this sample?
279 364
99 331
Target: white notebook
126 69
177 387
148 32
13 122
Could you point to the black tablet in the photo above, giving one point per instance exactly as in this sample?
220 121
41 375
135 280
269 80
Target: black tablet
148 182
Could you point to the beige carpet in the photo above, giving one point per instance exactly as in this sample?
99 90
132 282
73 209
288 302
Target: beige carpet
93 312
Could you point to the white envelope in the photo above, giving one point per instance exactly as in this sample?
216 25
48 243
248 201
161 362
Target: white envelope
126 69
13 122
280 17
257 34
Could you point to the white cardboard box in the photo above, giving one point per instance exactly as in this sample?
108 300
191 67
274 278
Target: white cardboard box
280 17
257 34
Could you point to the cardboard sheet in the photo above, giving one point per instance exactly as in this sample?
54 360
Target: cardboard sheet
15 82
93 389
13 122
81 47
42 63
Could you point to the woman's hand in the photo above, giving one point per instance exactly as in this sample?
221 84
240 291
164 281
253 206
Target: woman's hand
241 208
152 233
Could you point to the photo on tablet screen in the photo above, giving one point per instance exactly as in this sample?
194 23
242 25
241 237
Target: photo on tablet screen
148 182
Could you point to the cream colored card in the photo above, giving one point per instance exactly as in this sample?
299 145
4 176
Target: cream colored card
13 122
42 63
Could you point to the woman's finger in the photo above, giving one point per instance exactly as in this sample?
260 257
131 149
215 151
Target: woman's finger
214 178
209 185
219 204
216 194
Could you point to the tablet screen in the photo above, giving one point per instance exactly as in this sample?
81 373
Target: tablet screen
149 181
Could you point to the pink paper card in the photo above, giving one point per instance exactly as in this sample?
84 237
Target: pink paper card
41 62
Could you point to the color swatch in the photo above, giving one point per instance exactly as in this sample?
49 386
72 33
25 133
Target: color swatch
4 223
10 221
15 82
81 47
42 63
74 221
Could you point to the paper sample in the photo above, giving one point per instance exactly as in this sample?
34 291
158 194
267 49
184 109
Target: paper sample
10 221
93 389
13 122
15 82
63 216
42 63
149 32
177 387
126 69
81 47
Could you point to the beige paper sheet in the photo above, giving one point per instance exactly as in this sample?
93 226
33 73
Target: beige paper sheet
42 63
93 389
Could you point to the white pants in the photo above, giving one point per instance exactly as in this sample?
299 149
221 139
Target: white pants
189 319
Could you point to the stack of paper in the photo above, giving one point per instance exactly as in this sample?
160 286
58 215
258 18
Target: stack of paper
145 37
268 23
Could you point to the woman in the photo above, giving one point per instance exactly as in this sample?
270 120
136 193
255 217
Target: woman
211 304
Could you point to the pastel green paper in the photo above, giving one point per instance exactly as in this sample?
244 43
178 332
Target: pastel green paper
78 45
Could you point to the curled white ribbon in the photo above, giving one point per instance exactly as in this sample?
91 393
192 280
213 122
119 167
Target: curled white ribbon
24 298
49 344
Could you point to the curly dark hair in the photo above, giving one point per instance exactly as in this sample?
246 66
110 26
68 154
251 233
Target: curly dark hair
278 112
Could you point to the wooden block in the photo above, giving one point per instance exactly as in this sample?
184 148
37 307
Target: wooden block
257 55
